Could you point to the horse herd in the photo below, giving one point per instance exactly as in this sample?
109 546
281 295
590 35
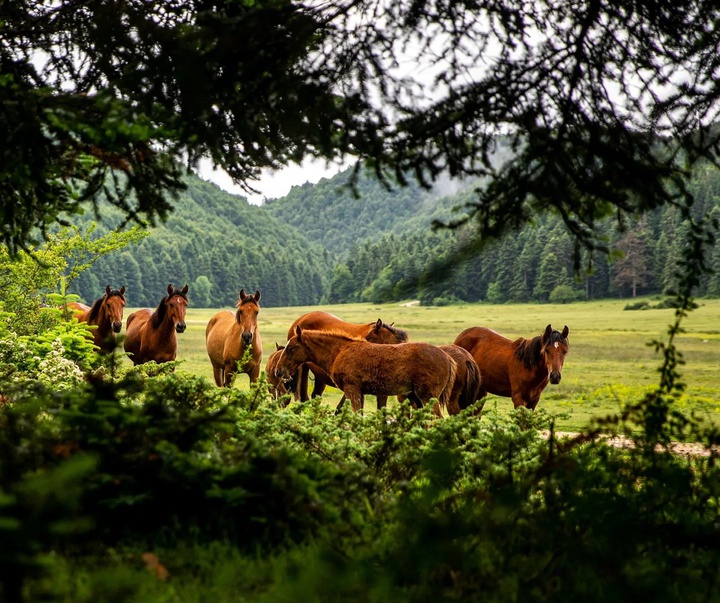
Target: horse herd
374 358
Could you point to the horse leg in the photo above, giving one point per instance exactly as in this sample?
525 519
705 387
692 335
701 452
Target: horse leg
227 381
339 406
518 399
355 395
254 373
382 401
218 375
302 389
318 388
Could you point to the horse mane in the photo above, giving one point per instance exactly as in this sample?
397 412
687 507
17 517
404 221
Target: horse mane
333 333
157 317
528 351
97 304
400 334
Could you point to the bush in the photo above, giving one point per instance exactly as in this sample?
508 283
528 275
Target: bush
563 294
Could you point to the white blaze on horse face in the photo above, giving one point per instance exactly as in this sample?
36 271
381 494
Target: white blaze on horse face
557 344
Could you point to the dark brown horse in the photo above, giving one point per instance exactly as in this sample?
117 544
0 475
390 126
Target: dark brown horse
278 387
466 388
229 334
106 315
519 369
152 335
374 332
418 371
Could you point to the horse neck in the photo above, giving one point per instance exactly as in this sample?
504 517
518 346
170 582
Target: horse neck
160 320
529 352
323 348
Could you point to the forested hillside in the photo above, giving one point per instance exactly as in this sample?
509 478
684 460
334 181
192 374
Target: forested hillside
217 243
322 243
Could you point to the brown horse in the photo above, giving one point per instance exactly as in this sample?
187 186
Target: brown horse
517 369
278 387
374 332
106 314
229 334
418 371
152 335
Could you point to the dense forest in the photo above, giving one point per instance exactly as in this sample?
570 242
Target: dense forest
341 241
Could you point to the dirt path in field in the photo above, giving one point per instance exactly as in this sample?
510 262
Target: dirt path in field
684 448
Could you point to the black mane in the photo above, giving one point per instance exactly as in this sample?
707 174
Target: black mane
529 351
157 317
400 334
97 304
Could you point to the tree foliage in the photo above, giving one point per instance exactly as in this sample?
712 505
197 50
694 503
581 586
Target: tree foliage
603 108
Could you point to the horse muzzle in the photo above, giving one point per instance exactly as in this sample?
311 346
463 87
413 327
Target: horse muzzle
180 327
247 338
116 326
555 377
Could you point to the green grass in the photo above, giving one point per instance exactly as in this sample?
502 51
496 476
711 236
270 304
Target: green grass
609 360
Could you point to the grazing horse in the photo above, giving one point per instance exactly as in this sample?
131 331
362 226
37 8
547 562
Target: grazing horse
517 369
418 371
278 388
106 314
152 335
374 332
229 334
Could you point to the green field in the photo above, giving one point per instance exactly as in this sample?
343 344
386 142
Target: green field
609 360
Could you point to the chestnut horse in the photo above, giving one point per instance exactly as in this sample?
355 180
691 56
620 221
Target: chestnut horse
418 371
517 369
106 314
229 334
374 332
152 335
278 387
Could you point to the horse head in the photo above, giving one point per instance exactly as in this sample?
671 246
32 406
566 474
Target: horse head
248 308
113 306
176 304
291 357
383 333
554 348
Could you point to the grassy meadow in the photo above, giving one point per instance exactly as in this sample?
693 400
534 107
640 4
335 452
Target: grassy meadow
609 362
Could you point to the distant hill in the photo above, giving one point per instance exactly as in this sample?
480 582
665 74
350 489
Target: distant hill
338 216
222 237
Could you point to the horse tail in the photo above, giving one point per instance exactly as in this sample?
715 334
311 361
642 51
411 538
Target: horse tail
447 391
471 388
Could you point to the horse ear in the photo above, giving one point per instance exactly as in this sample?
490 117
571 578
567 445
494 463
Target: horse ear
170 289
122 290
242 294
107 289
298 331
565 332
547 333
257 296
278 346
378 324
185 290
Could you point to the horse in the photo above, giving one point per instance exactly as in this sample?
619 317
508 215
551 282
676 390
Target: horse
152 335
106 314
278 387
229 334
519 369
374 332
418 371
466 387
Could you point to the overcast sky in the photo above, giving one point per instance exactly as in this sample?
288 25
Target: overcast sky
272 184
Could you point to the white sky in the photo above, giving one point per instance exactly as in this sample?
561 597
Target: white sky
272 184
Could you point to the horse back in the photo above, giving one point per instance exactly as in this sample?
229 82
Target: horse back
494 356
80 311
323 321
